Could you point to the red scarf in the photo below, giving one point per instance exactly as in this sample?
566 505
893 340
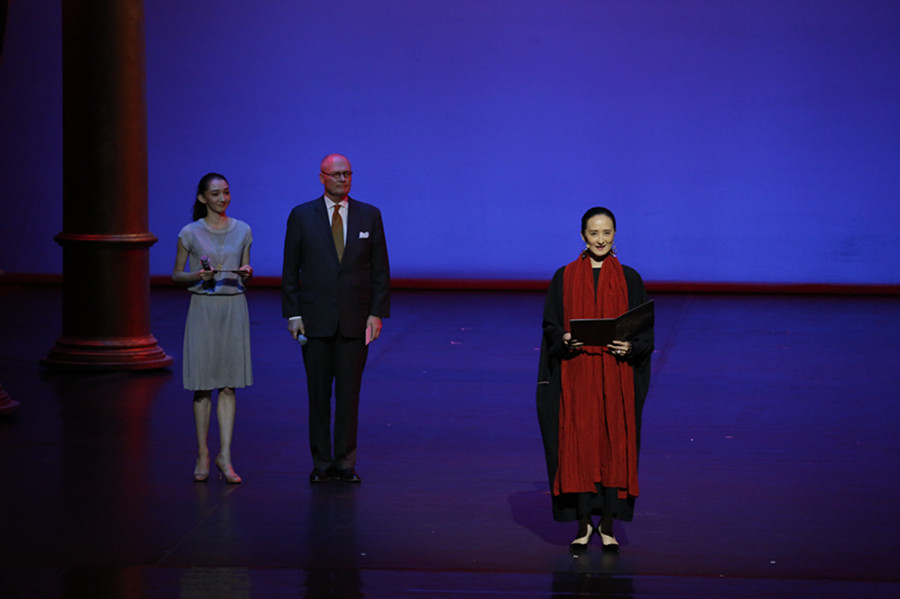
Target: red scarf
597 441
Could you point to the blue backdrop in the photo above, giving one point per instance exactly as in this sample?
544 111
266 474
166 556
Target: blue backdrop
738 141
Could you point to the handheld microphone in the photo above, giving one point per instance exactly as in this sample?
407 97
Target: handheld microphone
204 262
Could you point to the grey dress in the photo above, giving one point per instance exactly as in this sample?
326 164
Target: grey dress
217 331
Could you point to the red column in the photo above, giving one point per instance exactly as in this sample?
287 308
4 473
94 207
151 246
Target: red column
105 241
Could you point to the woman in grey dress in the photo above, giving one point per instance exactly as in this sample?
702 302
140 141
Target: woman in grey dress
213 258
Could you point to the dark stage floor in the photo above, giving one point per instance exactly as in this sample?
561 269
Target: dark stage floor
768 467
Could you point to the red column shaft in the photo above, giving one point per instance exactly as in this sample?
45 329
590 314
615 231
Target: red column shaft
105 241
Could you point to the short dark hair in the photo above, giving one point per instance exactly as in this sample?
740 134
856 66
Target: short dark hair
202 186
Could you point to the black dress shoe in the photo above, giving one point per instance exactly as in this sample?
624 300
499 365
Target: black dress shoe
319 476
348 475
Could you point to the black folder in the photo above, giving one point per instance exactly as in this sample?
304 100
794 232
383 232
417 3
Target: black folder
602 331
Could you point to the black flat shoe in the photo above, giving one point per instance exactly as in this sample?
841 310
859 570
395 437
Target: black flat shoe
348 475
319 476
610 545
580 545
578 548
611 548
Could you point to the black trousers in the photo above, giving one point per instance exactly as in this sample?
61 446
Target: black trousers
334 363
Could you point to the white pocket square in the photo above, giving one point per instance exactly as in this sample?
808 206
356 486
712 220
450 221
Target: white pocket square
363 234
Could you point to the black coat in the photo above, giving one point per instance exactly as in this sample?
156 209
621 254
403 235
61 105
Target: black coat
549 387
335 296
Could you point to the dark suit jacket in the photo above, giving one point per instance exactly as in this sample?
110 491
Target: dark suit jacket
334 296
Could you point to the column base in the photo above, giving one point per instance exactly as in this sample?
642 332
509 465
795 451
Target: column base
137 353
7 405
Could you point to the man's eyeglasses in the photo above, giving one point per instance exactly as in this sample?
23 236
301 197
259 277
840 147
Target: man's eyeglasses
339 174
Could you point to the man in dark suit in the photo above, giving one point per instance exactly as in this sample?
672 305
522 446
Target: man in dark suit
335 291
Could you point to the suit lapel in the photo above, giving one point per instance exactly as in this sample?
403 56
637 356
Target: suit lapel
324 228
352 226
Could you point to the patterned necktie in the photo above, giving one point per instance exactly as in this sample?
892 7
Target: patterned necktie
337 231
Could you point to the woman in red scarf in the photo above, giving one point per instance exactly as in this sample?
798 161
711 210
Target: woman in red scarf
590 399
